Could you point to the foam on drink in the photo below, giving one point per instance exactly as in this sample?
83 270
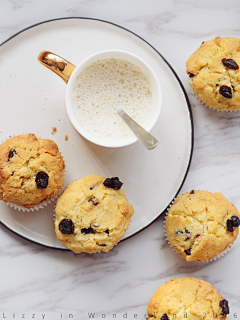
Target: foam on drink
104 84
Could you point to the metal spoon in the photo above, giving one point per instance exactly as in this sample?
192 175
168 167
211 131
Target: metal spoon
143 136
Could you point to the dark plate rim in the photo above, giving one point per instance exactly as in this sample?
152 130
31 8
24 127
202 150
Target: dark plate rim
186 98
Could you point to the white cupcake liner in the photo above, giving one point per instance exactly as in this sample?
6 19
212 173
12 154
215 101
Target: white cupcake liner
215 109
44 203
41 205
220 255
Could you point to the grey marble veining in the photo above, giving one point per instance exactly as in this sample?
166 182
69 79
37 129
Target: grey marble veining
53 284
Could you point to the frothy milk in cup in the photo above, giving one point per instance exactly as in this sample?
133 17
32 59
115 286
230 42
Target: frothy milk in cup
107 83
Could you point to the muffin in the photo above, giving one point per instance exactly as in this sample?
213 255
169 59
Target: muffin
30 170
214 73
92 214
187 298
200 225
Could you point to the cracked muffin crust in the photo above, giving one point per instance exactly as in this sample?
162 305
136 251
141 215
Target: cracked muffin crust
202 224
214 73
30 170
92 214
187 298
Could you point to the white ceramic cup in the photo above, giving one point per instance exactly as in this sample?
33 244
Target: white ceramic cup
69 72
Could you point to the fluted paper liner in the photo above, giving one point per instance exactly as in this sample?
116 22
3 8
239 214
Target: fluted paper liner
215 109
44 203
220 255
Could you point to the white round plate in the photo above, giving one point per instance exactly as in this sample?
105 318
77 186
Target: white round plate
32 101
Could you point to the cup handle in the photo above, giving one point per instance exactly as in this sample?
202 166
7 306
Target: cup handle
60 66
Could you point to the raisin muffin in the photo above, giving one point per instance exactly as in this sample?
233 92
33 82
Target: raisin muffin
92 214
30 170
187 298
214 73
200 225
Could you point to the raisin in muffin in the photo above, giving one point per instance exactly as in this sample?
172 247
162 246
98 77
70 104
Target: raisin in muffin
30 170
92 214
187 298
214 73
200 225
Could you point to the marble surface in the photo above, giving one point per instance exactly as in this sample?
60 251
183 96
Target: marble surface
41 283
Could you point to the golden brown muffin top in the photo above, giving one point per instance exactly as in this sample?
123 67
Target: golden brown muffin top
187 298
200 225
214 73
92 215
30 170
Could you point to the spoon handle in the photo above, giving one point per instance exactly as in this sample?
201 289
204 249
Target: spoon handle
143 136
